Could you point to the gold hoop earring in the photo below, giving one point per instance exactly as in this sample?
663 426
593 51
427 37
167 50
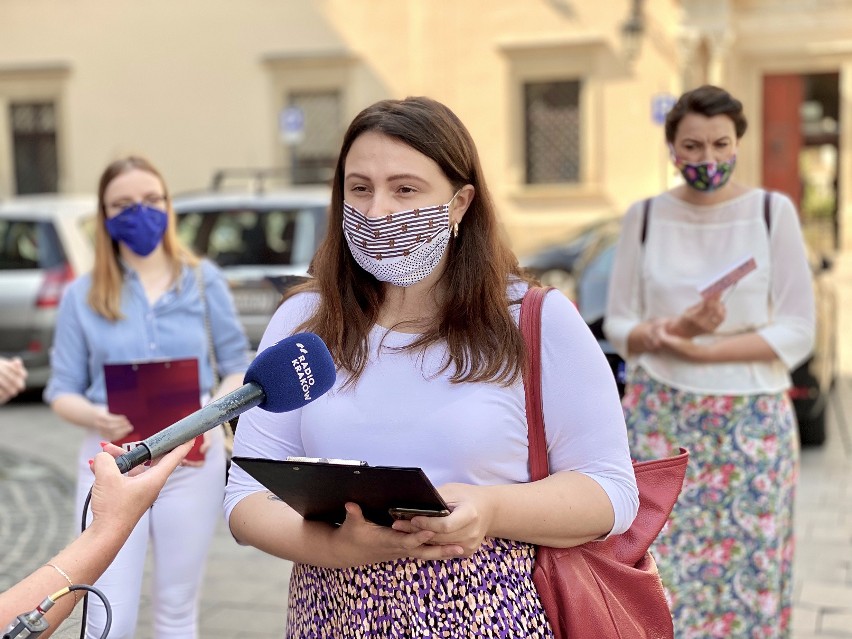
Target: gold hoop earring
455 230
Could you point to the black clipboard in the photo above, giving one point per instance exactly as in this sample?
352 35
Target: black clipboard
319 490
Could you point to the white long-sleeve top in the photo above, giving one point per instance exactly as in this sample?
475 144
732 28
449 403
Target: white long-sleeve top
685 246
403 412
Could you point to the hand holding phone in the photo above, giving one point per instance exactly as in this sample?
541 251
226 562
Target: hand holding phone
407 514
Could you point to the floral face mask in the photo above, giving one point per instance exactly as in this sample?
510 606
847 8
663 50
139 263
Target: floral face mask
704 176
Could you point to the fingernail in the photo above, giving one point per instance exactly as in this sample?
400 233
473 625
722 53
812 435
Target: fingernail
91 462
103 444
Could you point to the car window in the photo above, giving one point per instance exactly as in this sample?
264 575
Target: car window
249 236
29 244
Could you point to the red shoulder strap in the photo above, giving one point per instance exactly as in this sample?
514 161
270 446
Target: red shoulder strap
530 323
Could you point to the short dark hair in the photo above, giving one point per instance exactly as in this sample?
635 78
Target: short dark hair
706 100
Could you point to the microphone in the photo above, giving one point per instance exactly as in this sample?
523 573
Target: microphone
286 376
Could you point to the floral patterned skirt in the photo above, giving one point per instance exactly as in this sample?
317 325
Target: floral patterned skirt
490 594
725 556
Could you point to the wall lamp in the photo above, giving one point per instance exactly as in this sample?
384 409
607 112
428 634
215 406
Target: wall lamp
632 30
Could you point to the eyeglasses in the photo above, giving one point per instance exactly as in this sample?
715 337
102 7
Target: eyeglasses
154 201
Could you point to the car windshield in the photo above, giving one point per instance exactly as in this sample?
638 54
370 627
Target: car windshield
251 236
29 244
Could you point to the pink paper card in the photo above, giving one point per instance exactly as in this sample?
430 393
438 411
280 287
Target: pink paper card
728 277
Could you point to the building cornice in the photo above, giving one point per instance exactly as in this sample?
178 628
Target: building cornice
41 70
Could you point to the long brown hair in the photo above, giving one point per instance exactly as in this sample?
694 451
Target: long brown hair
107 277
484 343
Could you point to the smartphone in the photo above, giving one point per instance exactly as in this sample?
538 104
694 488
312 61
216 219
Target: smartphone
408 513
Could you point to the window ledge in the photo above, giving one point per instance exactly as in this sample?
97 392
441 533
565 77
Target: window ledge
45 70
591 193
545 44
297 59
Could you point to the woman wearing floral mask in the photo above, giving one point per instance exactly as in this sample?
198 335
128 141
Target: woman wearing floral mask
143 301
417 298
708 370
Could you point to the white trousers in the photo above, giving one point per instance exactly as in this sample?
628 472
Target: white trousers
179 527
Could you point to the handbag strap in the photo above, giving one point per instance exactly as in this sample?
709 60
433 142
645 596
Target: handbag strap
211 349
530 323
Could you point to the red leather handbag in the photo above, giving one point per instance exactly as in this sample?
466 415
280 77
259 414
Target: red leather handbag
601 589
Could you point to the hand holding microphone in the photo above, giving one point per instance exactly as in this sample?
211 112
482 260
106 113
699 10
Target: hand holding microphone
286 376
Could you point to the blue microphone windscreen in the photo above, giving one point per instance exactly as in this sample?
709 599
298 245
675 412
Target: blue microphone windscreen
292 372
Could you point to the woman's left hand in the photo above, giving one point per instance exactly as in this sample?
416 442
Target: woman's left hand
466 525
684 348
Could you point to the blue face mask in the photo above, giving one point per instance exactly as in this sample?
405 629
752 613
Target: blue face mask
139 227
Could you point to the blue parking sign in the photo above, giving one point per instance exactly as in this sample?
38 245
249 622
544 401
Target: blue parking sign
291 124
661 104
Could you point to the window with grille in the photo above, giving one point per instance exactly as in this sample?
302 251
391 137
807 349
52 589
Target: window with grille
552 132
315 154
34 147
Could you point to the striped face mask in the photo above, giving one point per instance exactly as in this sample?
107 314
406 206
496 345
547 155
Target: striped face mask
399 248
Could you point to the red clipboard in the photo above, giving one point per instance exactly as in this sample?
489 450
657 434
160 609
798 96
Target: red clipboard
154 394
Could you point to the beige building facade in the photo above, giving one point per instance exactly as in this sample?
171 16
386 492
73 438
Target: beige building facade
563 97
790 61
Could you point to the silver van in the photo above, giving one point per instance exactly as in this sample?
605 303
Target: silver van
262 238
45 242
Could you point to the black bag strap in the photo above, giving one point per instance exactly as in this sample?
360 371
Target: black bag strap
767 210
646 213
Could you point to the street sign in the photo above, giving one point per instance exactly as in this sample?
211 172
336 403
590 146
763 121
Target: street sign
661 104
291 124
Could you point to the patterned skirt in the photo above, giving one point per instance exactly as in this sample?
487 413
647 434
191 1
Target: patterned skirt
490 594
726 554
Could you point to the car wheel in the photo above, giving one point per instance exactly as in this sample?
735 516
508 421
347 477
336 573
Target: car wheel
560 279
812 418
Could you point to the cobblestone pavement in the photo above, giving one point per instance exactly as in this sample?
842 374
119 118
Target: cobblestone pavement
35 514
245 591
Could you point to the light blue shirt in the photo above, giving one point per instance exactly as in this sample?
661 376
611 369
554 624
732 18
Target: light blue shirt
172 328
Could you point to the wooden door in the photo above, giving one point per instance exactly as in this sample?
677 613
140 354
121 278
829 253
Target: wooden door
782 134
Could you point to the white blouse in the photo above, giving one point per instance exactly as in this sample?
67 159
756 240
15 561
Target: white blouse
685 246
404 411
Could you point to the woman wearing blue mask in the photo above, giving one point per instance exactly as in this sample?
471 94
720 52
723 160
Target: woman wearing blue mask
710 303
417 297
146 299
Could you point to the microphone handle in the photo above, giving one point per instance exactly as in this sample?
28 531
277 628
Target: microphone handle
222 410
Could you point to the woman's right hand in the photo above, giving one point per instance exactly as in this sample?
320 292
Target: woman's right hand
13 378
120 500
363 542
645 337
109 426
